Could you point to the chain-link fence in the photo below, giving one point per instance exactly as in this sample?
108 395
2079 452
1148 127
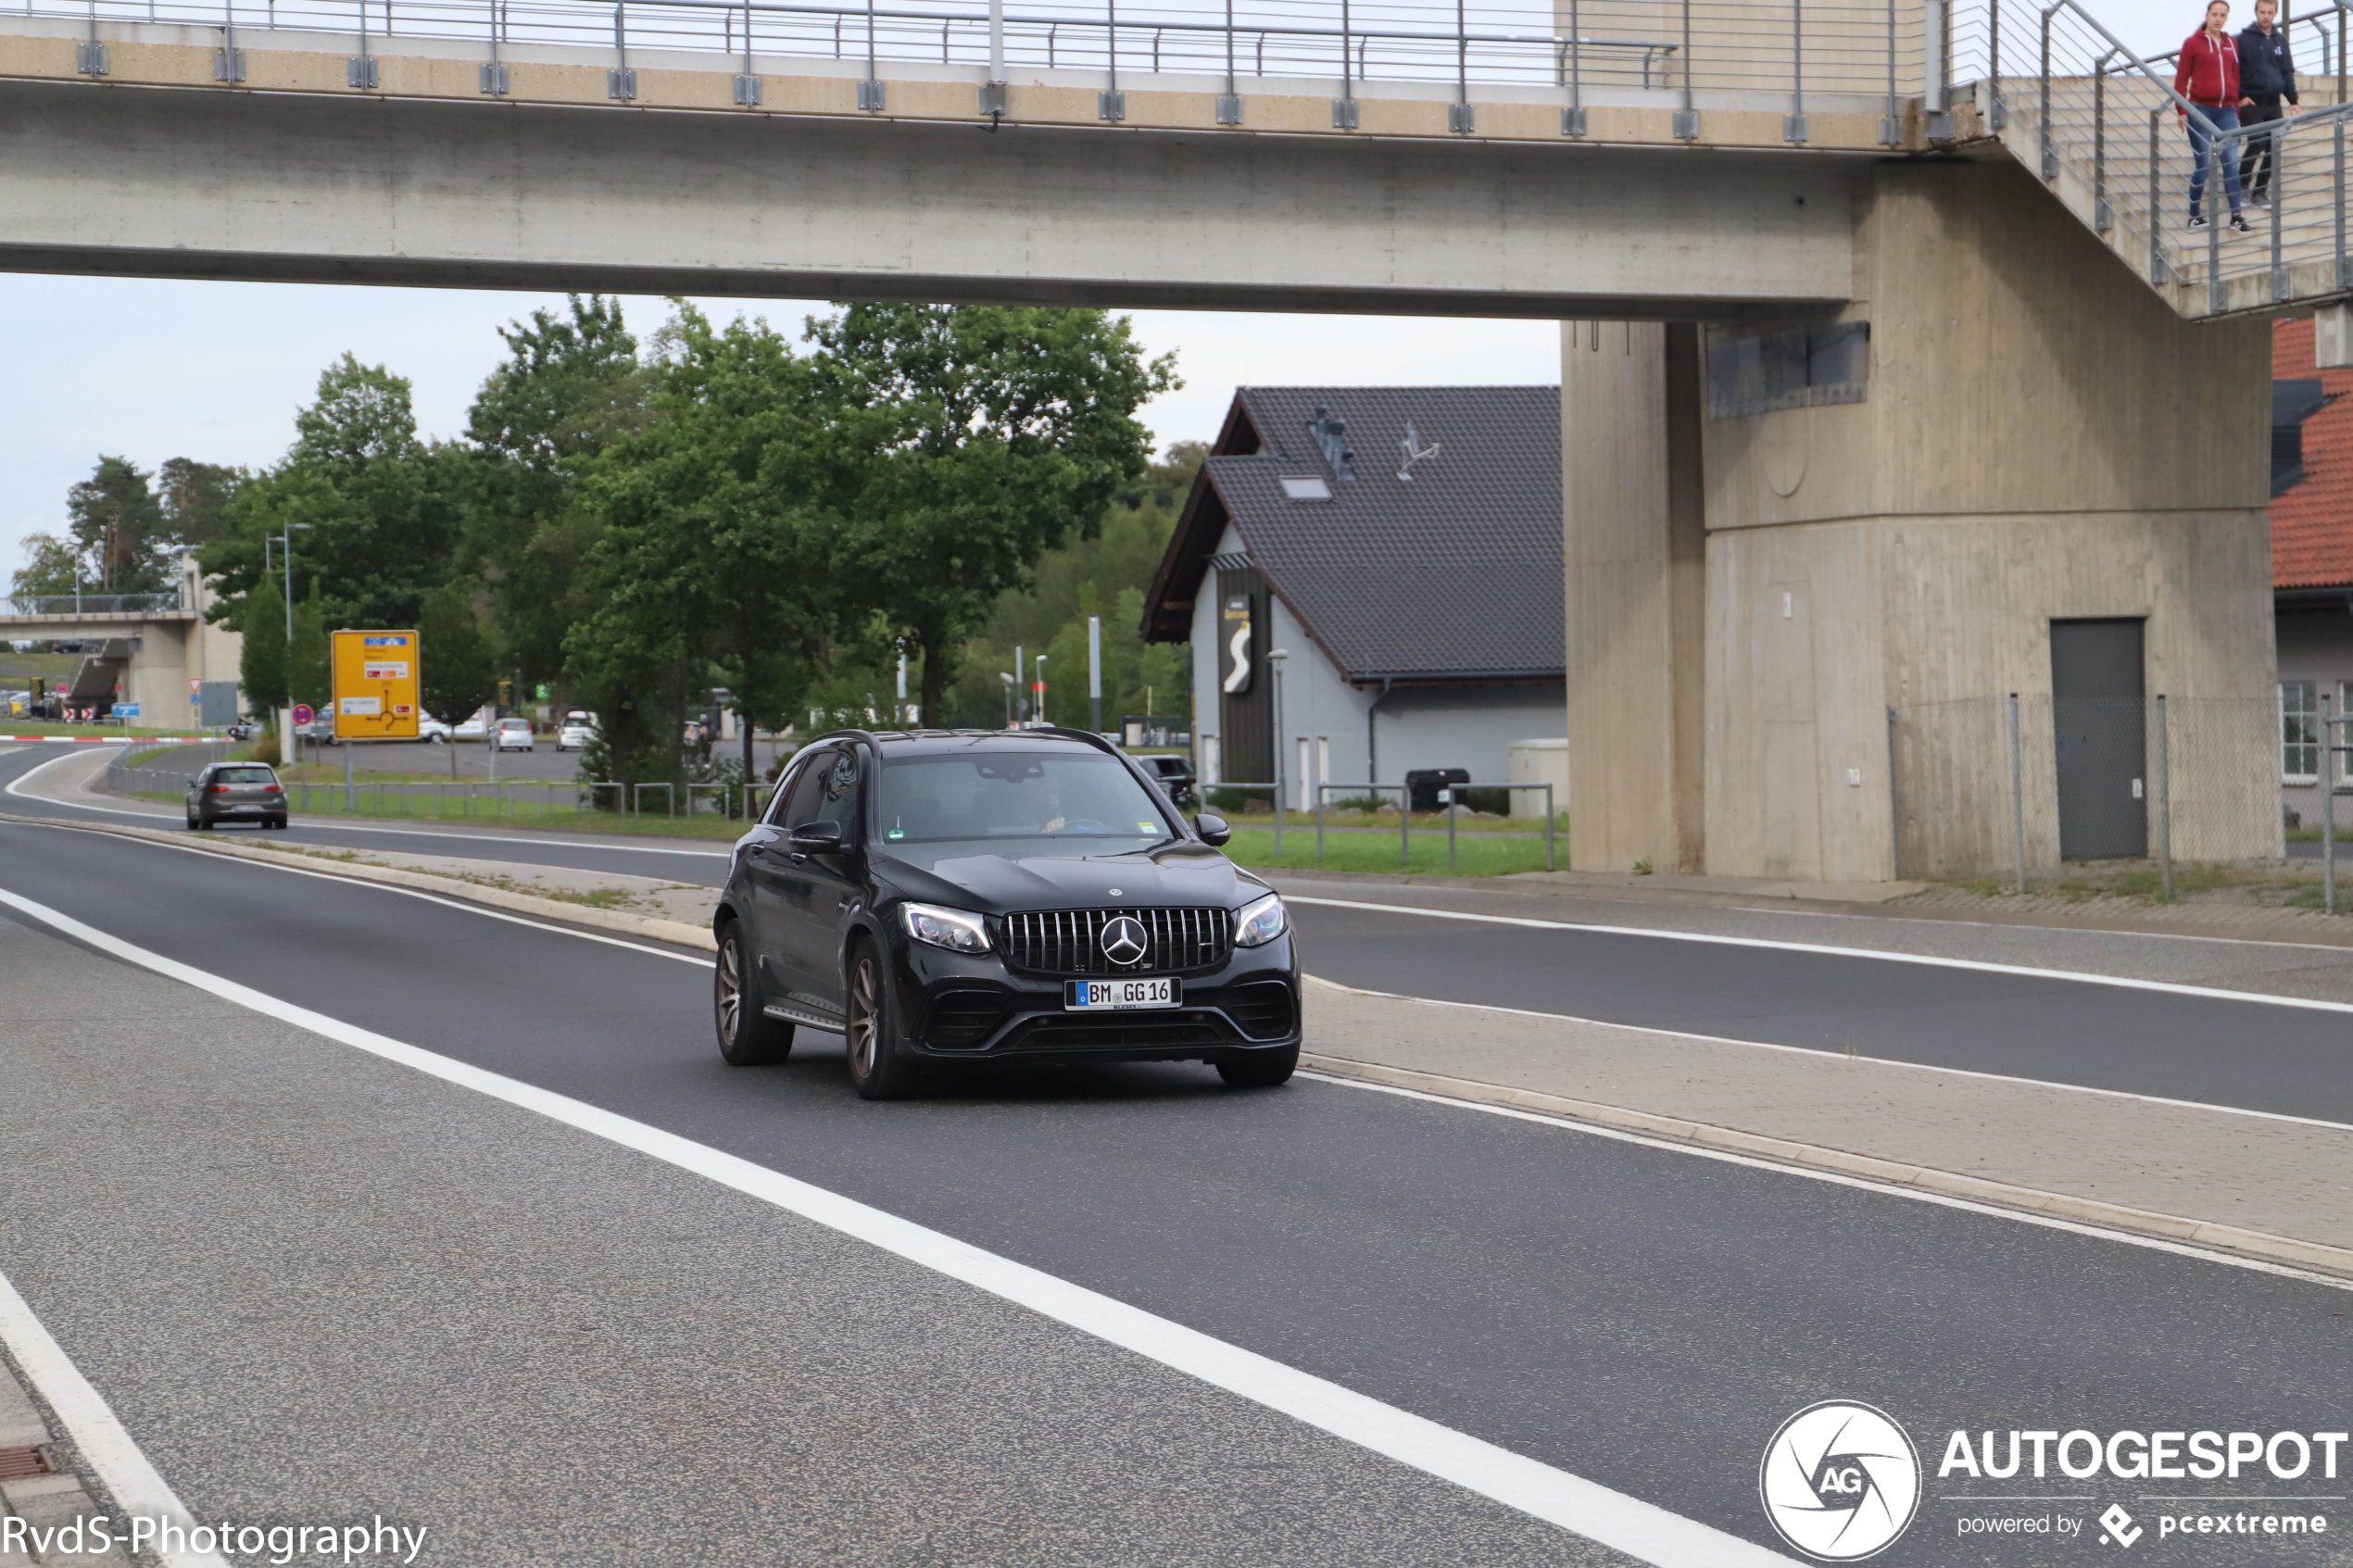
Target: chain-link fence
2004 787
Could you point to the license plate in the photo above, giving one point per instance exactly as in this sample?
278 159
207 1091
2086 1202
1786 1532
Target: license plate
1099 995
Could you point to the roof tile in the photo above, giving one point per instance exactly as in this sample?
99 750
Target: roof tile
2312 522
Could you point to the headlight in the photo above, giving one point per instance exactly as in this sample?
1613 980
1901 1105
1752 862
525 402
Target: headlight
953 929
1260 923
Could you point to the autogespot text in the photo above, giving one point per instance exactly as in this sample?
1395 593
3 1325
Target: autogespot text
277 1544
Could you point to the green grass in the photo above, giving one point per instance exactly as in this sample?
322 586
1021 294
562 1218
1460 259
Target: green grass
1475 856
45 727
521 811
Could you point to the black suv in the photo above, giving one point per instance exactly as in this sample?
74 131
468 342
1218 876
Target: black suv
974 896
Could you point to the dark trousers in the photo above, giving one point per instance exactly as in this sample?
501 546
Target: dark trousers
2255 166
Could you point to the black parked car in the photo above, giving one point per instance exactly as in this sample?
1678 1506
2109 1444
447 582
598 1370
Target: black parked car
1174 773
236 792
949 896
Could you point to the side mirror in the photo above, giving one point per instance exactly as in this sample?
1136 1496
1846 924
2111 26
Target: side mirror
1212 829
817 836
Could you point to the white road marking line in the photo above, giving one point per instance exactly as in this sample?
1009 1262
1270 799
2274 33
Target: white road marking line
1842 1056
139 1491
698 960
1983 966
2078 1228
1641 1530
445 835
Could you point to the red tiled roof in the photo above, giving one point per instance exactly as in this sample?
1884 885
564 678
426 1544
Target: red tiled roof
2312 522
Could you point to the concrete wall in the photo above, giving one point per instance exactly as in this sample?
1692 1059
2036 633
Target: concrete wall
2041 438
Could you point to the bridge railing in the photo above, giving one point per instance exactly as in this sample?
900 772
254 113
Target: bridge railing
47 605
1776 54
2104 127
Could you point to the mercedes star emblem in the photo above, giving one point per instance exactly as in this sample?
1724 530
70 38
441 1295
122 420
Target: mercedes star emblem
1126 941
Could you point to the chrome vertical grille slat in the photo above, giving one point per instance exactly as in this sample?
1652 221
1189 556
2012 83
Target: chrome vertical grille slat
1071 941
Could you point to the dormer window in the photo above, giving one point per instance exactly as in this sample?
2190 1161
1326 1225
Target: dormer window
1309 488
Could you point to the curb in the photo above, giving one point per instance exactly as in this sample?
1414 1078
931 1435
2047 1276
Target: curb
2056 1205
677 934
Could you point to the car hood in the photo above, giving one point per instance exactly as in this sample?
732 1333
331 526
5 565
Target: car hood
1001 884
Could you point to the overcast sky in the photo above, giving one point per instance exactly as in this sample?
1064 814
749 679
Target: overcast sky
151 370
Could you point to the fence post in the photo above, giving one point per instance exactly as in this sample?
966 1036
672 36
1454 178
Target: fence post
2164 800
2017 797
1446 798
1405 827
1549 814
1320 818
1895 808
2328 808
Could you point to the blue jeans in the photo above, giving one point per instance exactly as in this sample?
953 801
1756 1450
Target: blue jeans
2202 147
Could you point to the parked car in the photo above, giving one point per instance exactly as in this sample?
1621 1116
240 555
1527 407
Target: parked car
513 735
1175 774
320 731
236 792
432 731
577 730
968 896
476 728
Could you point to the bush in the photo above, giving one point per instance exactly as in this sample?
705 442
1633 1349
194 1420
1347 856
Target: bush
1227 800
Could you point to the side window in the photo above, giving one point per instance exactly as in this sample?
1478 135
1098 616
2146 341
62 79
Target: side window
838 793
808 786
784 783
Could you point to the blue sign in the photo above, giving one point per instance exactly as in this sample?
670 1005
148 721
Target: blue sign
395 641
126 711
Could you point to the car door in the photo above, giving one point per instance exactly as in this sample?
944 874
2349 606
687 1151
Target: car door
822 888
774 879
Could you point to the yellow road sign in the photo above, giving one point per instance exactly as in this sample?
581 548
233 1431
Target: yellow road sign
376 676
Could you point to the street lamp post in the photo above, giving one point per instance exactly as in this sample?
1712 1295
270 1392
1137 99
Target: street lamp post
1007 676
283 539
1095 672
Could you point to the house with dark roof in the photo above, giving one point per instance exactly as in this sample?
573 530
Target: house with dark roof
2312 555
1402 546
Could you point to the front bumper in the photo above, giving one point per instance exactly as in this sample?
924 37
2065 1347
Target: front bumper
973 1007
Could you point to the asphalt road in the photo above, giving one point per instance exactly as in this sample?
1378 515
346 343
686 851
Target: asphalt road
1642 1317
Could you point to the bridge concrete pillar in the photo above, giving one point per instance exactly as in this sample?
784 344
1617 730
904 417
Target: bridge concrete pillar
1634 550
2031 435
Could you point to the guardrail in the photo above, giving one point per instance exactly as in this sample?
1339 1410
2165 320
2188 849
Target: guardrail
91 604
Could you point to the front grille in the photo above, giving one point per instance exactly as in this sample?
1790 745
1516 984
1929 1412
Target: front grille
1071 941
1176 1031
963 1018
1263 1011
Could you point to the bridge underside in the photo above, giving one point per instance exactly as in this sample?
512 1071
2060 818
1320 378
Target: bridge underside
199 183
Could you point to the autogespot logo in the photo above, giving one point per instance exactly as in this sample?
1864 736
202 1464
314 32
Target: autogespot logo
1840 1481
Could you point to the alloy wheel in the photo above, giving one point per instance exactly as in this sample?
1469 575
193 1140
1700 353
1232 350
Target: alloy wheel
864 1031
731 992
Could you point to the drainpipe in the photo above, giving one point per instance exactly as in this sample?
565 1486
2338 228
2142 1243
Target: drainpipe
1372 751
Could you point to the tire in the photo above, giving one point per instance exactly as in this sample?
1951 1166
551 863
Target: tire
877 1070
1260 1072
202 825
278 823
192 821
748 1037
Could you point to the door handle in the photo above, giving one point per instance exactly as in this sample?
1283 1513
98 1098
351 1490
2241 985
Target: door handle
759 849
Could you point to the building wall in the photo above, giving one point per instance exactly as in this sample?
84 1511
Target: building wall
2041 438
2317 645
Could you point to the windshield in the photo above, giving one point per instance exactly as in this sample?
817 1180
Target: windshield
1020 802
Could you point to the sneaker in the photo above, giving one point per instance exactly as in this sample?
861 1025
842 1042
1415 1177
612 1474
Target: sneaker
2197 223
2238 225
2263 199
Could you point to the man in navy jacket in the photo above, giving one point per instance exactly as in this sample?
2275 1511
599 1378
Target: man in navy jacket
2267 75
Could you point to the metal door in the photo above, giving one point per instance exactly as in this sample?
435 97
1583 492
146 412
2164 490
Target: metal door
2102 739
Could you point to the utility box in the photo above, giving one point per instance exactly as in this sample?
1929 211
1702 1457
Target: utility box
216 704
1542 761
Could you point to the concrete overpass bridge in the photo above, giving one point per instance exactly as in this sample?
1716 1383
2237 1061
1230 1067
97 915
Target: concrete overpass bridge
147 648
1884 346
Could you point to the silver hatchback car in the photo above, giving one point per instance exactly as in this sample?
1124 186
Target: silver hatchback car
236 792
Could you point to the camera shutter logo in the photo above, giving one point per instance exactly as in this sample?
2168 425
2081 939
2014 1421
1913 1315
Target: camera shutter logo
1841 1481
1126 941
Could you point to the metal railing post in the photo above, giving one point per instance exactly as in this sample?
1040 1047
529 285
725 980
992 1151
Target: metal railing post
1687 118
1110 104
1573 117
1793 123
1936 67
870 91
1459 117
1891 129
2216 192
2337 174
2099 141
90 58
1343 106
747 80
2017 797
2157 220
2164 800
621 82
228 64
1996 117
2049 164
1229 107
2275 149
493 72
360 70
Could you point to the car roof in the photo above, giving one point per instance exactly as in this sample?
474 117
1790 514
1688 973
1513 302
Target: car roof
902 742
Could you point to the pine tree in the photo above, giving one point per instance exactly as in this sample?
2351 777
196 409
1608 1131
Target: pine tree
262 670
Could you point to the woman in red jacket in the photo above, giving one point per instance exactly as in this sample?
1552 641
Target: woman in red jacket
2208 75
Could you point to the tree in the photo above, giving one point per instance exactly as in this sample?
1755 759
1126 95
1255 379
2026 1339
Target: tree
118 525
52 566
195 497
455 674
311 657
261 669
986 435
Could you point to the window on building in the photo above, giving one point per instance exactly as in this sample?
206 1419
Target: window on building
2299 732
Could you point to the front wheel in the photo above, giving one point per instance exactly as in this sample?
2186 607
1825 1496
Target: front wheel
1262 1071
748 1037
877 1070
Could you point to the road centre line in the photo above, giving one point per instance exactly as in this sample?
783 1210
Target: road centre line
30 774
462 905
1730 1156
1842 1056
1984 966
136 1486
1641 1530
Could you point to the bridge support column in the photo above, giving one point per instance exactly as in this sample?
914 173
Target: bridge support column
1634 550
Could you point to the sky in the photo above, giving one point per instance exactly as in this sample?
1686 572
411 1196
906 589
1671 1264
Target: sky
215 372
